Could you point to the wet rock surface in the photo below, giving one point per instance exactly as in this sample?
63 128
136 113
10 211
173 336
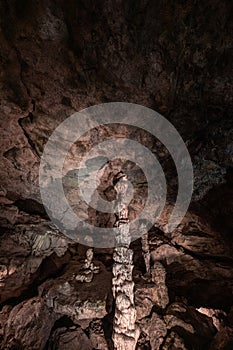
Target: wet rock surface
58 57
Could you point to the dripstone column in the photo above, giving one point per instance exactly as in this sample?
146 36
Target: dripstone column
125 330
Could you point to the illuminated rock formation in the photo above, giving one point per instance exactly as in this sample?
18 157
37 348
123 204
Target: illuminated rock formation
87 272
125 330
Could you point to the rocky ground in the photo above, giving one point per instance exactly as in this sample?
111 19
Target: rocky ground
58 57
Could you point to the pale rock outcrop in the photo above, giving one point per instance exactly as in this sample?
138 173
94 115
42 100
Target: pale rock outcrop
79 301
22 252
89 269
125 330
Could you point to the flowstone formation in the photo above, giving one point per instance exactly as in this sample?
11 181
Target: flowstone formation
125 330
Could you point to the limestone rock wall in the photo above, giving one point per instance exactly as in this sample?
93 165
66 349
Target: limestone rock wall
58 57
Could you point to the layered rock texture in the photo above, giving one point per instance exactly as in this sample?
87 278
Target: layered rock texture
125 330
58 57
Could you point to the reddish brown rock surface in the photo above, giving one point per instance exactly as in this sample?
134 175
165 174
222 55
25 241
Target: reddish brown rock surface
58 57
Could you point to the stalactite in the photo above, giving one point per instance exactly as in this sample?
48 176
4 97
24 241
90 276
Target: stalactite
125 330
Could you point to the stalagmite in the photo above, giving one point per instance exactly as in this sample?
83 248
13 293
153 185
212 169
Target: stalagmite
145 248
88 269
125 330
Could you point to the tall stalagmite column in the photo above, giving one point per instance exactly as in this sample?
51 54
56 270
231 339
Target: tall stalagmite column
125 330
